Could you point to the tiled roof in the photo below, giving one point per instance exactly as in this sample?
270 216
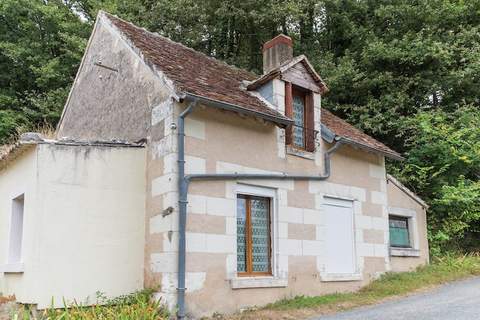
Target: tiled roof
195 73
343 129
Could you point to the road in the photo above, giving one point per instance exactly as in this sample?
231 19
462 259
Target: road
457 300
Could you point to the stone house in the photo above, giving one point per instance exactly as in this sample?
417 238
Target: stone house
219 188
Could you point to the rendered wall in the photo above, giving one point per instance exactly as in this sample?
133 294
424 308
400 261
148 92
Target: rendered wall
219 142
85 231
105 104
400 203
19 177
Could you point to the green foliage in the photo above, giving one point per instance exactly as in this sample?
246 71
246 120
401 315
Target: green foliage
41 44
406 72
137 306
444 164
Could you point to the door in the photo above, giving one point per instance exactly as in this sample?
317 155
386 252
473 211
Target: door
340 237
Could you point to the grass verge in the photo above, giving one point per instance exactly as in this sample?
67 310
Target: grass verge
137 306
390 285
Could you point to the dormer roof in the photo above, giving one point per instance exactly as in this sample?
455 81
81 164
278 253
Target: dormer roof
281 72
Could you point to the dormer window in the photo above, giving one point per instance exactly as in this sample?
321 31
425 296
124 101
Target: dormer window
299 108
299 119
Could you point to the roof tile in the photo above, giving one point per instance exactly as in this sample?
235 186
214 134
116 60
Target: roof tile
342 128
196 73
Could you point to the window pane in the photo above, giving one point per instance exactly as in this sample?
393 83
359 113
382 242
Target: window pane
241 235
399 236
298 118
260 217
16 230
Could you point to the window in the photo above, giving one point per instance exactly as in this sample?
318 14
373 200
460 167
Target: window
16 231
399 233
299 107
299 120
253 235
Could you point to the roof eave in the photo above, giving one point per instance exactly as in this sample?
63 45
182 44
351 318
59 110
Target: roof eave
329 136
392 155
409 192
279 70
279 121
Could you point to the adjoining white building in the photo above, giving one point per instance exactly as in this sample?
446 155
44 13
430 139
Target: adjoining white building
72 221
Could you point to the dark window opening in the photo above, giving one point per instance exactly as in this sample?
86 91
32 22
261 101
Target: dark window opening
399 232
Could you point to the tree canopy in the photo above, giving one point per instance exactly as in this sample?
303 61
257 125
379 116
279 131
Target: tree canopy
405 71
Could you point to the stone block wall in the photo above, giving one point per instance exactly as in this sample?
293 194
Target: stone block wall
219 142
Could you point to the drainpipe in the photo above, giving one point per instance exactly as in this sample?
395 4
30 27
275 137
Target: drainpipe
275 176
182 205
184 180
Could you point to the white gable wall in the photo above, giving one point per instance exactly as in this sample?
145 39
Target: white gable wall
84 223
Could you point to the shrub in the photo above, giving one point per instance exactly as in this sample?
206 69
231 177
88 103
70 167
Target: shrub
136 306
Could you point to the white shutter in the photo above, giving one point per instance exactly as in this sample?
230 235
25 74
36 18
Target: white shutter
340 237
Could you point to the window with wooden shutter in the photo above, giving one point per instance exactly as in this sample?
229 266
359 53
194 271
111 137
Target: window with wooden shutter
299 107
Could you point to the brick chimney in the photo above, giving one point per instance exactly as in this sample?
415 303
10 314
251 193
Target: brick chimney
276 52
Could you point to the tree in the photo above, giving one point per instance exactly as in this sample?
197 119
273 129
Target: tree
41 44
443 163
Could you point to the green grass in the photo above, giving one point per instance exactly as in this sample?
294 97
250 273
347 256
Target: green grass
440 271
137 306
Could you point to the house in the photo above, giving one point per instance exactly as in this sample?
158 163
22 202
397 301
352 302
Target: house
219 188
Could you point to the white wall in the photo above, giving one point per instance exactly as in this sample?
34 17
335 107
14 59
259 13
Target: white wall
16 179
86 231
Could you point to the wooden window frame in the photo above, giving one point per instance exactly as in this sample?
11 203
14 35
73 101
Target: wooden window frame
248 237
308 117
407 220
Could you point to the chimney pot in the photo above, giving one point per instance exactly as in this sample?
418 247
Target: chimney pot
276 52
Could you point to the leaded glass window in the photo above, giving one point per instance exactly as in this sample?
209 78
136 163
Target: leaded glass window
399 234
253 235
299 121
241 235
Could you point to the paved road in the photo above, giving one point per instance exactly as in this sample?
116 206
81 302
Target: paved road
457 301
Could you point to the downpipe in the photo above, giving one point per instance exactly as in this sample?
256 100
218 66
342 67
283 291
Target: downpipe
182 205
184 181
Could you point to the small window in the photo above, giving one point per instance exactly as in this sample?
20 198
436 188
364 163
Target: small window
299 119
399 232
16 231
253 236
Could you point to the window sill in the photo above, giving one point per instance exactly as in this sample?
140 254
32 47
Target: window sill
258 282
404 252
300 153
332 277
12 268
